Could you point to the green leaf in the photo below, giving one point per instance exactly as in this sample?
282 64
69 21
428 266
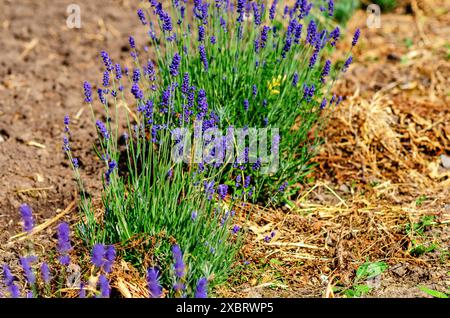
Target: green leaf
369 270
276 261
434 293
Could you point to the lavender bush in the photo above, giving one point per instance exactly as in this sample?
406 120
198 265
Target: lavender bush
217 65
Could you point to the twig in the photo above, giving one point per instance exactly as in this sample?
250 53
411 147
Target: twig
299 244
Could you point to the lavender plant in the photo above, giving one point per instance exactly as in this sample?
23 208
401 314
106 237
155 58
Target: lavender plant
261 65
217 65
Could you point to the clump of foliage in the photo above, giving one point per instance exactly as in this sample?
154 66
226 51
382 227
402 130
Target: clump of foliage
205 70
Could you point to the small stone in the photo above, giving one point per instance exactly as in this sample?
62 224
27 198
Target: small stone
445 160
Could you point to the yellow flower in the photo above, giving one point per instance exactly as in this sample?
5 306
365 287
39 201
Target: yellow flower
276 82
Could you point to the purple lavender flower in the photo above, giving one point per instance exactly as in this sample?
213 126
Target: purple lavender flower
137 92
201 33
257 12
175 65
287 47
64 243
203 57
8 280
136 75
325 71
334 35
263 37
66 146
141 16
150 70
247 181
283 186
240 10
255 90
201 289
82 291
66 123
323 104
111 166
347 64
295 79
330 8
154 286
285 11
104 286
45 273
101 96
223 24
98 253
166 21
194 215
75 163
311 32
313 59
298 33
179 265
305 8
106 79
236 229
110 256
356 37
102 128
332 99
209 188
308 92
273 9
222 190
238 180
27 217
257 165
87 92
118 71
25 262
213 40
132 42
246 104
107 61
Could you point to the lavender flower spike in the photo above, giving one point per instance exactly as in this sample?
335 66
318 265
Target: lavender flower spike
98 253
8 280
356 37
104 286
203 57
179 265
347 64
201 290
110 256
154 287
141 16
64 243
87 92
175 65
25 262
45 273
27 217
102 128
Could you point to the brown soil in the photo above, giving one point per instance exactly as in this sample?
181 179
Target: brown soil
369 176
42 68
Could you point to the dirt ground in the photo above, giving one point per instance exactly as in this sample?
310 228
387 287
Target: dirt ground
380 168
